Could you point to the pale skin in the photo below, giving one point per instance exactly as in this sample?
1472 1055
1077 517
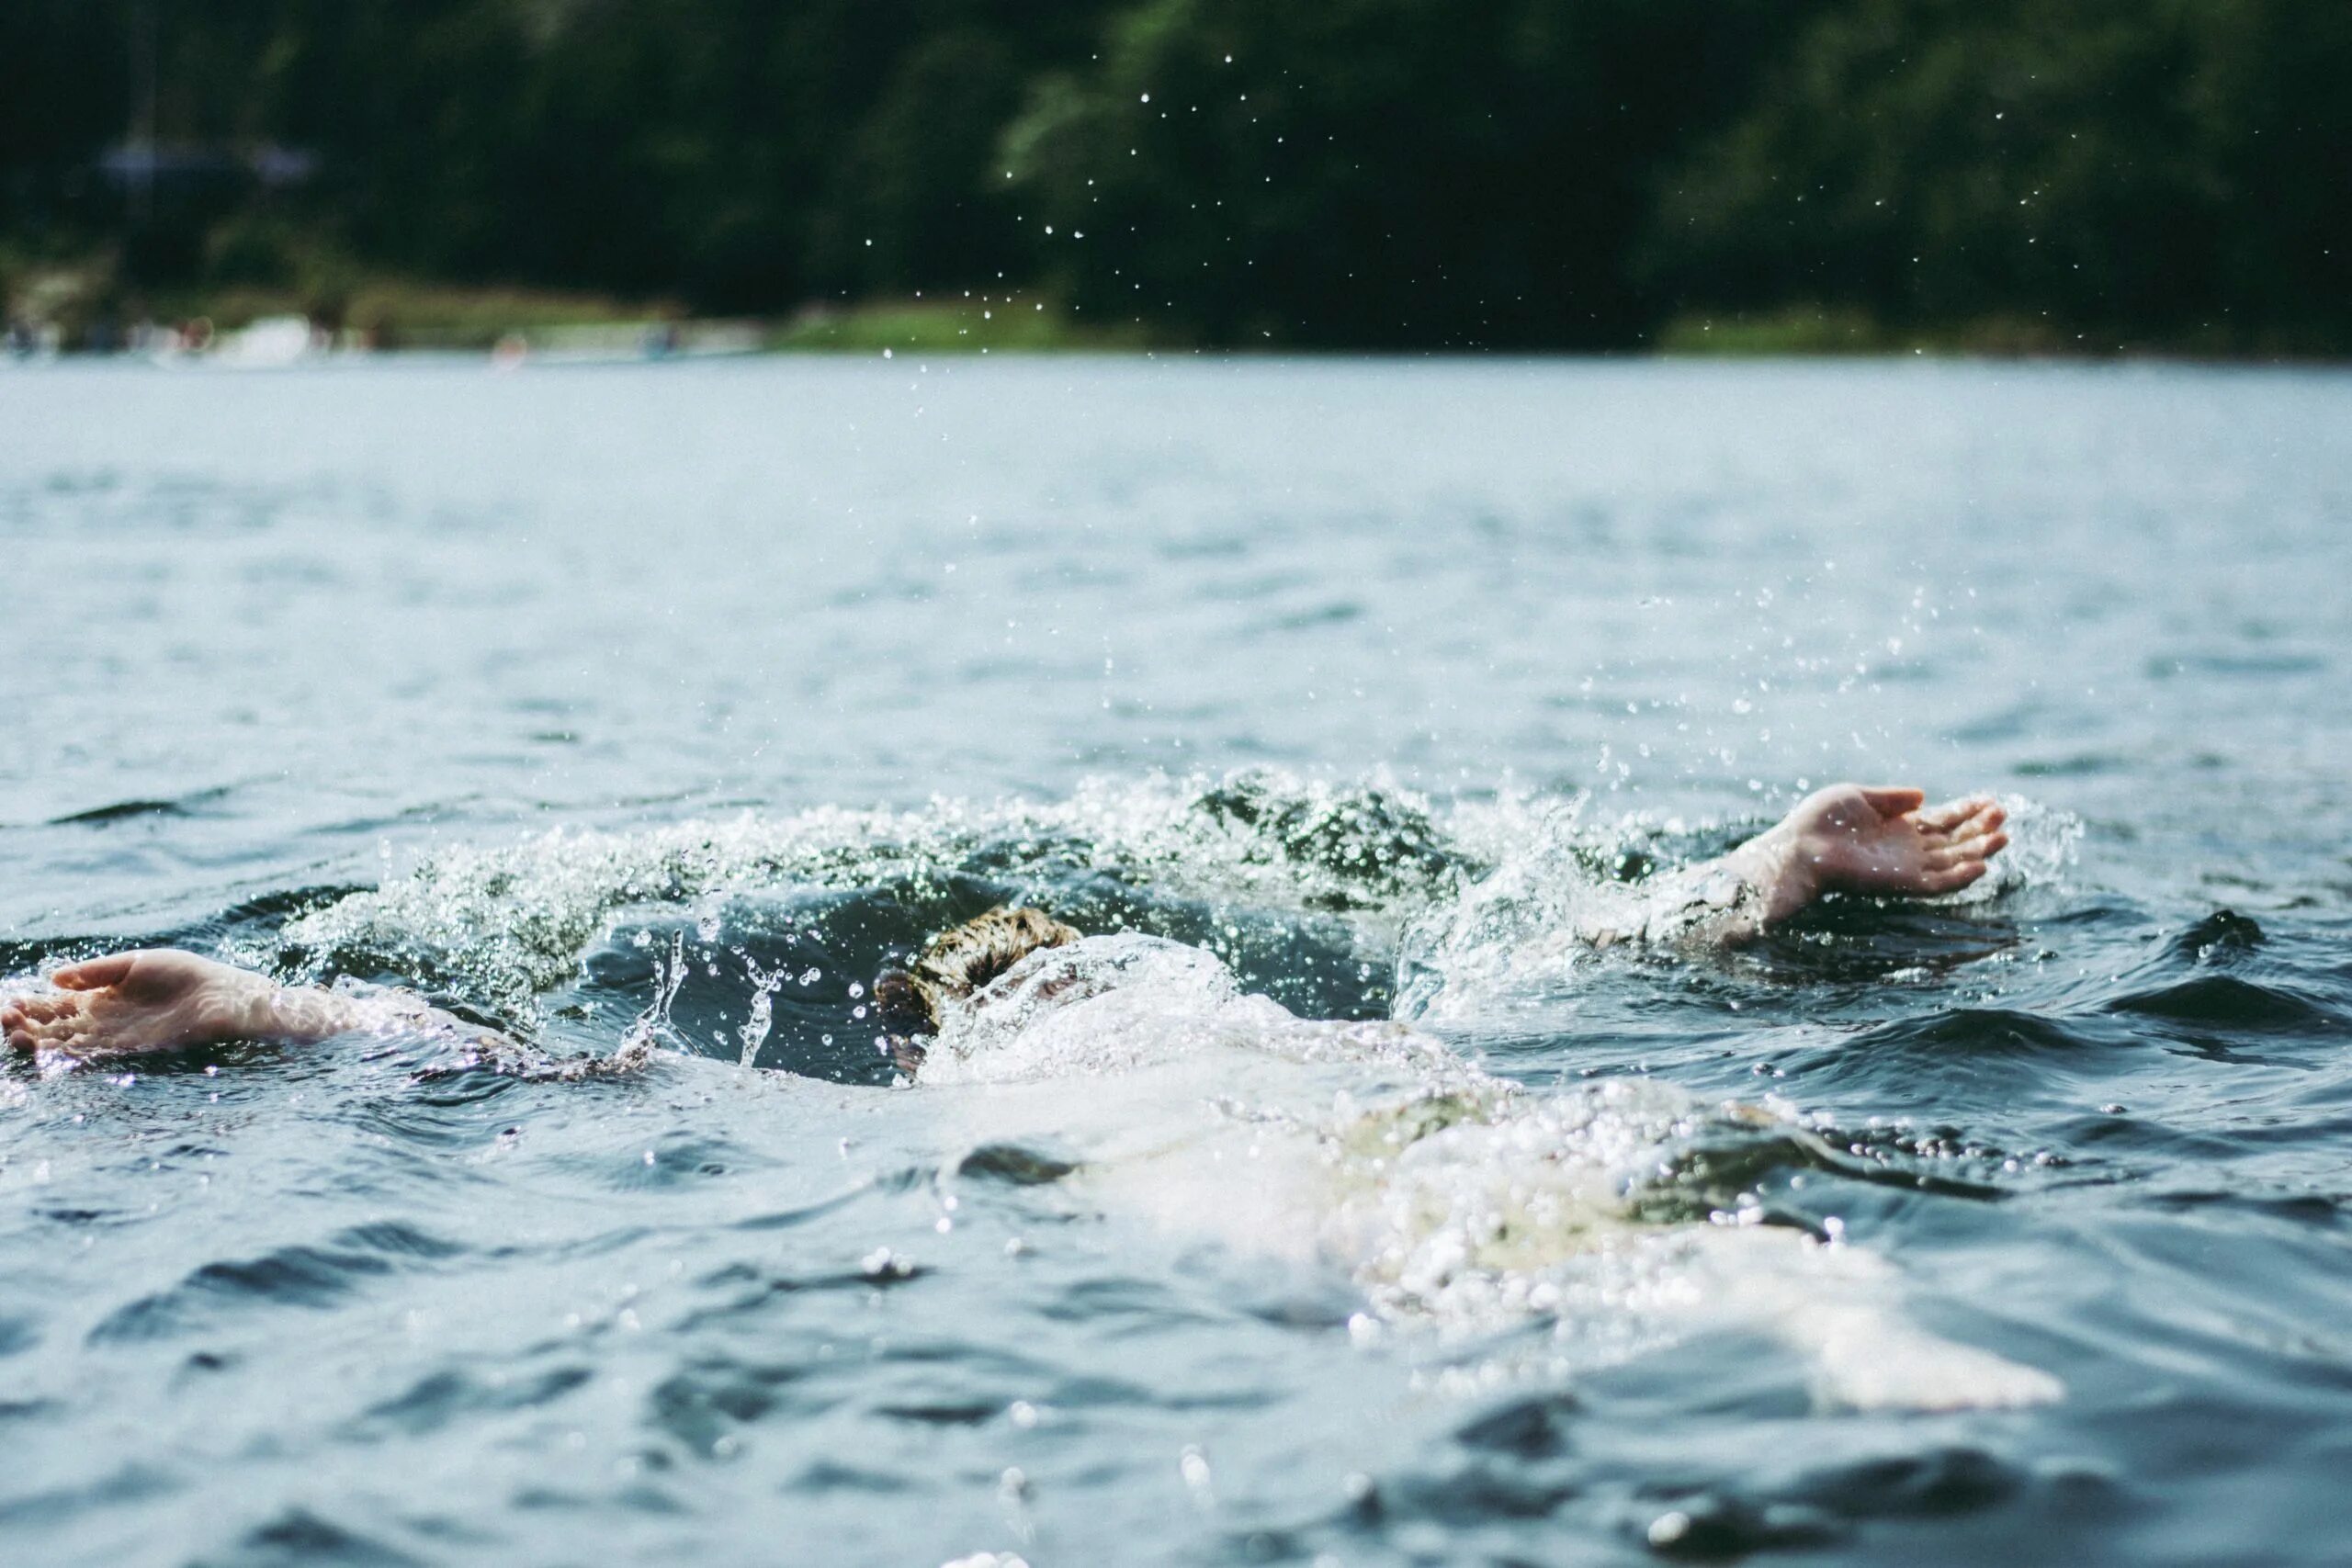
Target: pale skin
1882 842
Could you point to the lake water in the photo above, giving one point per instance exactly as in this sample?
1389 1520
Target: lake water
691 693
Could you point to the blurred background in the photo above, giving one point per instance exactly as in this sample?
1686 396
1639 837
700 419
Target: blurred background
2080 177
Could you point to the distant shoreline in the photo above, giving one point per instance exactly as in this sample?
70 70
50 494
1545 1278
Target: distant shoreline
261 328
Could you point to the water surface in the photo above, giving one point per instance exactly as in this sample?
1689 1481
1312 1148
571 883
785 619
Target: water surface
549 691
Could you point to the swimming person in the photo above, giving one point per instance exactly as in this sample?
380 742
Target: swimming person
1846 838
1449 1195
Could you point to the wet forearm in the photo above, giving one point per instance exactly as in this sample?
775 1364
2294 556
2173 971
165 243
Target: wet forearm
304 1015
1732 899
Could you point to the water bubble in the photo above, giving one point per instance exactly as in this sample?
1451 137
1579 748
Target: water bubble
884 1264
1194 1466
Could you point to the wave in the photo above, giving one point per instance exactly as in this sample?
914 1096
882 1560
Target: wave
1454 905
506 924
1516 931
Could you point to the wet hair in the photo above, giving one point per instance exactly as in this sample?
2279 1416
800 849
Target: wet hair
954 966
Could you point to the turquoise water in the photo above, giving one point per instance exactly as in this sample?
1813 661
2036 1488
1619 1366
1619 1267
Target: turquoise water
691 694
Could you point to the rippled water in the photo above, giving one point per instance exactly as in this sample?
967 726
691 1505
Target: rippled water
692 695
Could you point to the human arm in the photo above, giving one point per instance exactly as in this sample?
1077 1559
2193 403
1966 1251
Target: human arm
1845 838
159 999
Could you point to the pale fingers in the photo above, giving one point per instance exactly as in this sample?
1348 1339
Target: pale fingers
96 974
1953 878
1891 800
1952 813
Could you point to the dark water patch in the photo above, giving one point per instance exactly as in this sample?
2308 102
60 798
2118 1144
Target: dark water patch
120 811
645 1497
764 1293
2230 1002
126 810
1964 1050
826 1477
1886 1500
703 1406
1479 1491
1528 1427
124 1487
394 1238
595 1244
315 1278
444 1398
1115 1307
1934 1482
2227 665
672 1160
25 1409
966 1412
451 1086
2220 936
299 1539
1015 1165
1339 612
2323 1212
1728 1167
438 1116
2080 765
1284 1298
1712 1527
1851 942
2115 1134
71 1214
1099 1390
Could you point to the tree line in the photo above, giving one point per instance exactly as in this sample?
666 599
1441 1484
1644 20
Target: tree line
1439 173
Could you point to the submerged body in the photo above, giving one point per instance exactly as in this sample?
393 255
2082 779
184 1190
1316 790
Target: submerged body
1448 1195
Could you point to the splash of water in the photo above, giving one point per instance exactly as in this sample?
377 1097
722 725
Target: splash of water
507 923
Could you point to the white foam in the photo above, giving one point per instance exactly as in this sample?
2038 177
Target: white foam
1457 1201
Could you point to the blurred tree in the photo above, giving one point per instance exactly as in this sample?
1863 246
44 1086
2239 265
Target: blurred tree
2117 168
1406 173
65 90
1437 171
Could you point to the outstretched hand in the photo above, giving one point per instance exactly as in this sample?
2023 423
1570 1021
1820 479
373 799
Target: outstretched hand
1882 840
130 1002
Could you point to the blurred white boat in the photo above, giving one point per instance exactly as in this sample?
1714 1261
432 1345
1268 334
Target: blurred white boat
271 343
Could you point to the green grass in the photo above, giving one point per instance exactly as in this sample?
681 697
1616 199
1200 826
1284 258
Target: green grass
400 313
1018 324
1813 330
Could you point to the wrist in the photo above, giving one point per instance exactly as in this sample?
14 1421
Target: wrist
1784 876
255 1009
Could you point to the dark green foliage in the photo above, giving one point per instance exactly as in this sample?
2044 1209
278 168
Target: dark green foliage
2175 169
1450 173
1436 173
